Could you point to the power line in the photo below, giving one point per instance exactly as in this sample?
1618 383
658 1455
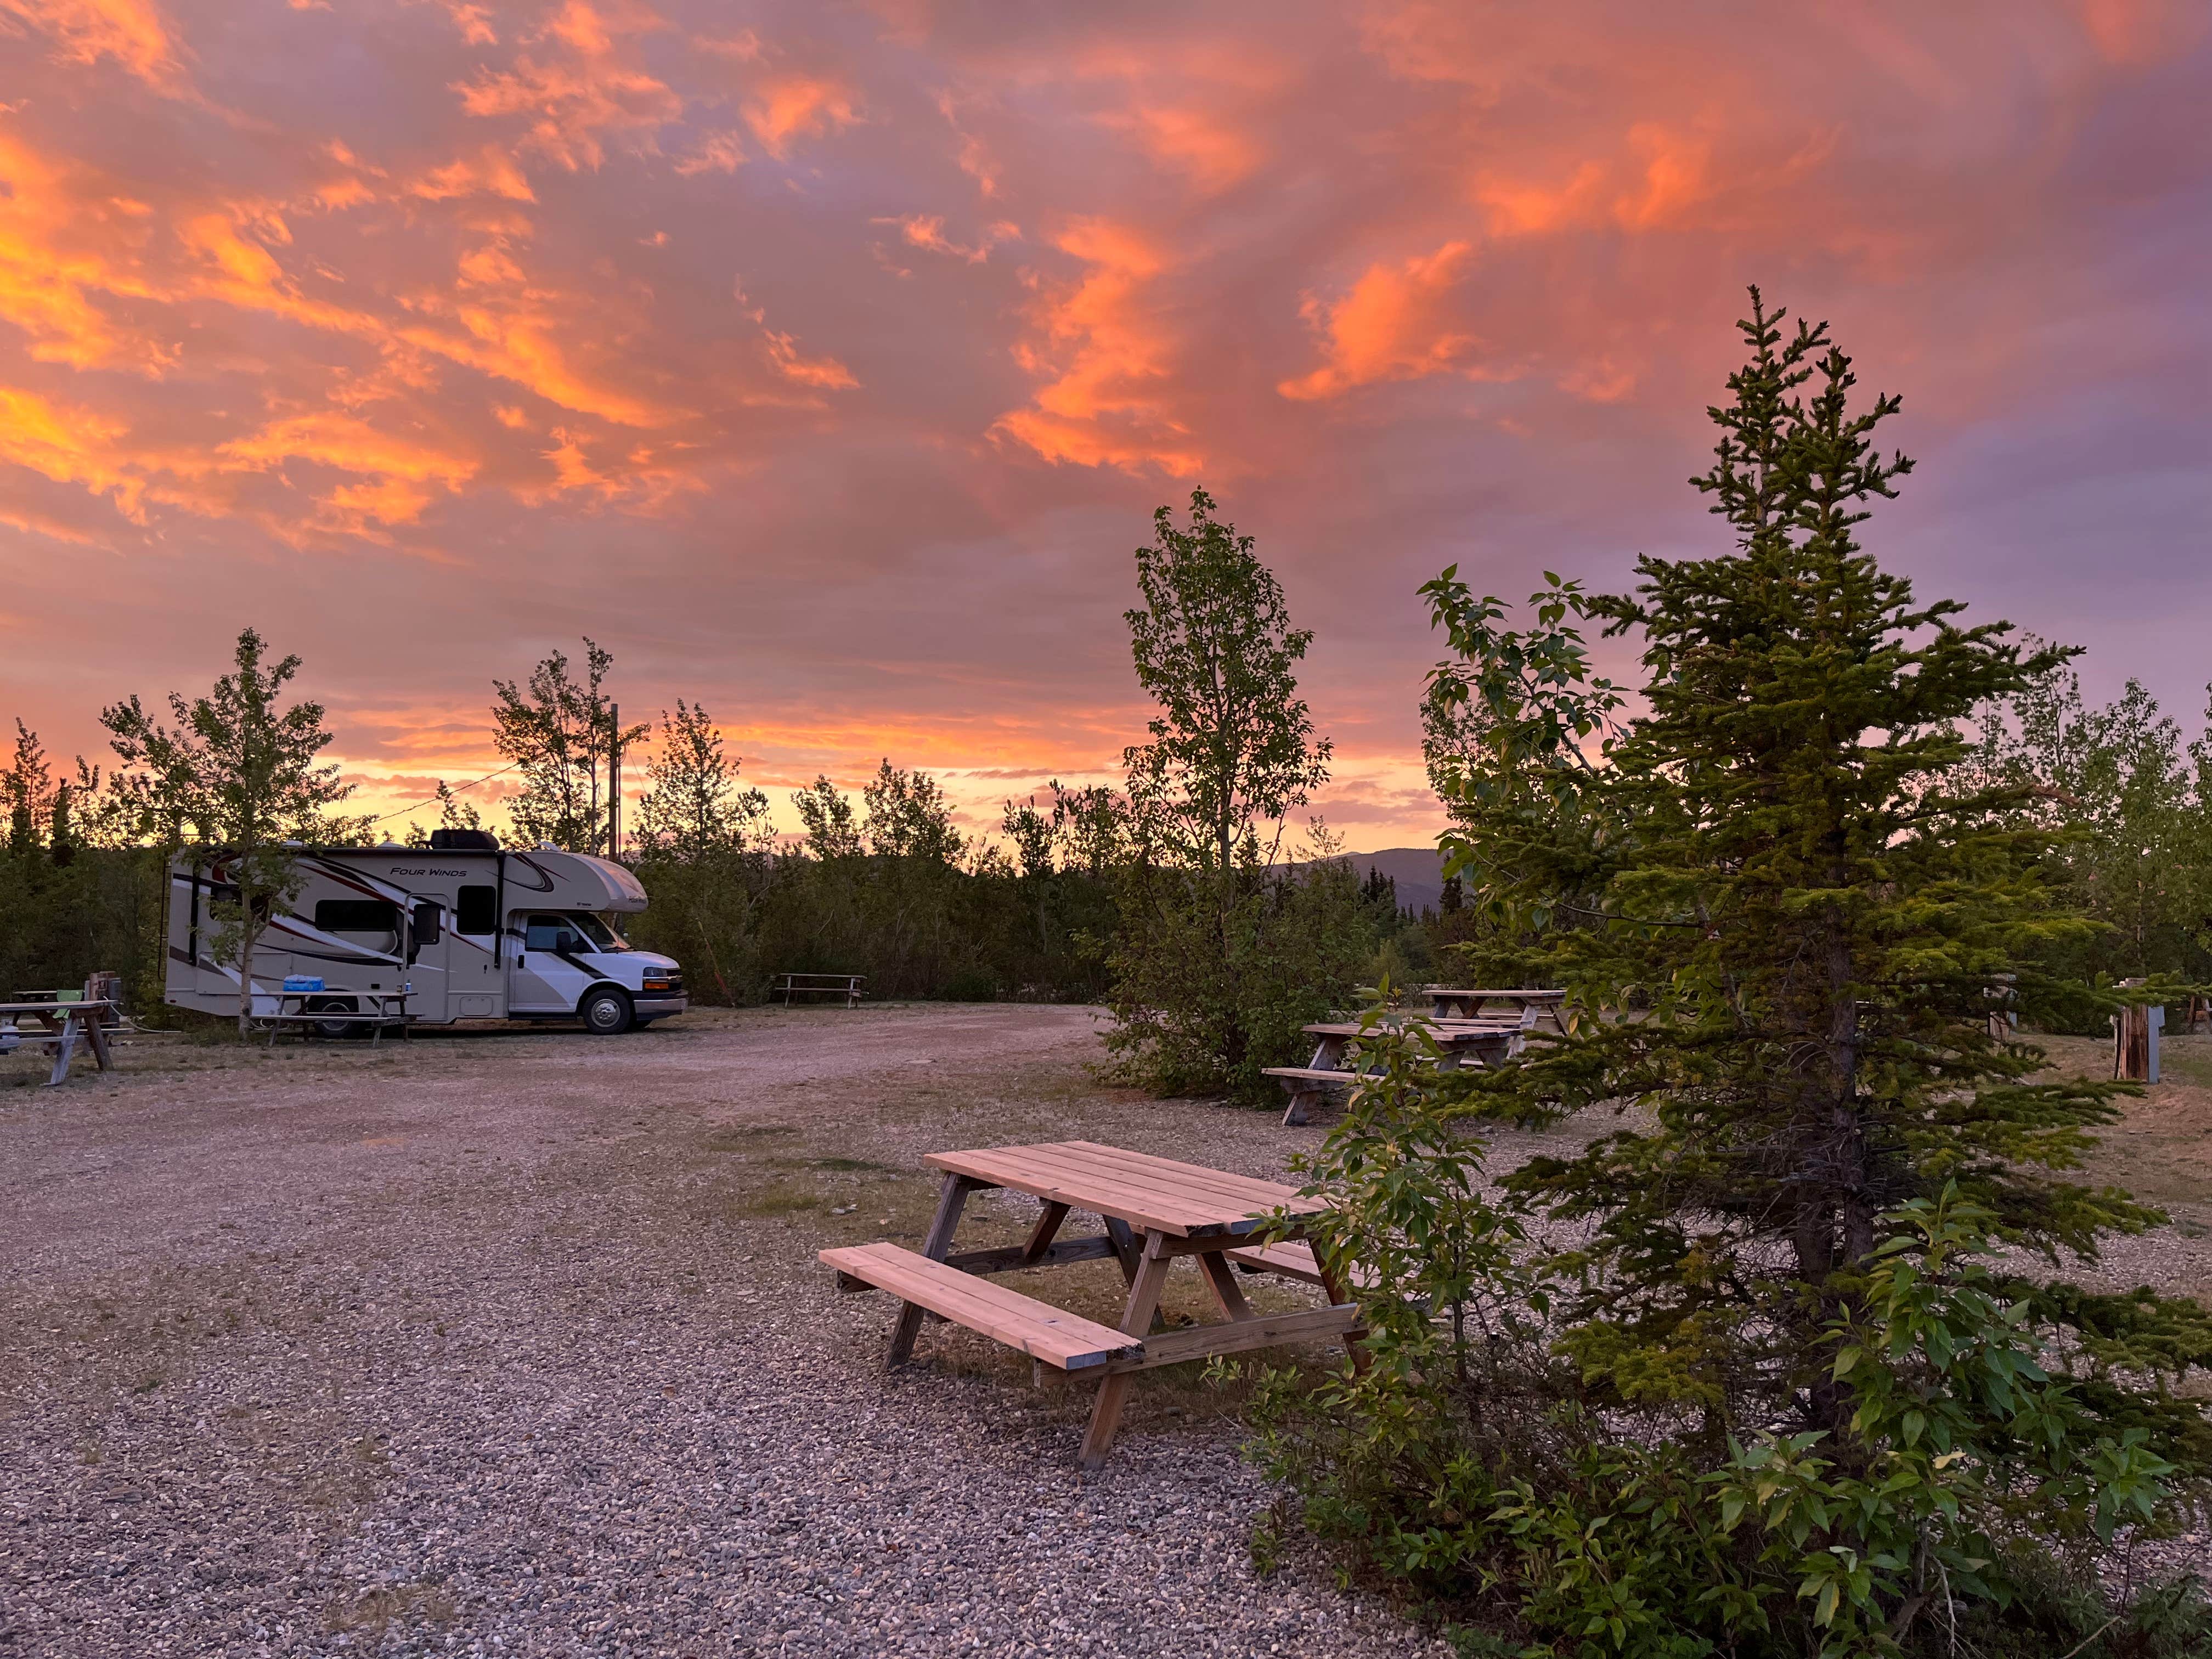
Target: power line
433 800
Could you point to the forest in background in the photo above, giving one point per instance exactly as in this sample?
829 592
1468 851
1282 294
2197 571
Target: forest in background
883 882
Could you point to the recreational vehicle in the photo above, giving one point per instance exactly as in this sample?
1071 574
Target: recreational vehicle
466 930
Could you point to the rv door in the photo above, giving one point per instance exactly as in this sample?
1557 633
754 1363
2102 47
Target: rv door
549 975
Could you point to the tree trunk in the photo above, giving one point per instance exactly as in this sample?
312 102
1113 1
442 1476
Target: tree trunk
249 934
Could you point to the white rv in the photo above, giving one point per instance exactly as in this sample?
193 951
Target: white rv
468 931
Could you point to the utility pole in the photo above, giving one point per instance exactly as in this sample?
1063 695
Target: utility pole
614 781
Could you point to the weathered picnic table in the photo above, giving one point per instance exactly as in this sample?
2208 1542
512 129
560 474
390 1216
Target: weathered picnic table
63 1023
1154 1209
1481 1043
1527 1006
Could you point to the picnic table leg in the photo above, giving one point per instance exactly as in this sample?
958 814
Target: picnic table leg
950 1199
1327 1056
1041 1237
1125 1247
64 1048
1136 1321
1333 1287
1222 1281
97 1037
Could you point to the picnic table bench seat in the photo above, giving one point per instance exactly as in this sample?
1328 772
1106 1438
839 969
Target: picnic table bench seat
1037 1328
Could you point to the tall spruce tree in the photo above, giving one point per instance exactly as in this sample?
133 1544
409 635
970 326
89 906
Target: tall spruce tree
1755 1382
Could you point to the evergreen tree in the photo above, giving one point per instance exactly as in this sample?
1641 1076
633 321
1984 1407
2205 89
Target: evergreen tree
1768 1391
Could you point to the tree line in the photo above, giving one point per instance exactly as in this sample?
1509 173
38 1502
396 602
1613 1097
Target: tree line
1181 900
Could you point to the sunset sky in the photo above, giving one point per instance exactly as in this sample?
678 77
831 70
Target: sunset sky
825 362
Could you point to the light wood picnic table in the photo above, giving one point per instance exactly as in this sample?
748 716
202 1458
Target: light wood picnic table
1448 1001
1154 1210
1464 1042
64 1024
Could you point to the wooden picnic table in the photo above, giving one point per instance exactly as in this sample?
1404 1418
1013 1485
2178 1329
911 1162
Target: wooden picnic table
1154 1210
846 986
64 1024
390 1008
1464 1042
1448 1001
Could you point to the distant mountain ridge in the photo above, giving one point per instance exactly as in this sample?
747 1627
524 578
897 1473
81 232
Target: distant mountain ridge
1419 871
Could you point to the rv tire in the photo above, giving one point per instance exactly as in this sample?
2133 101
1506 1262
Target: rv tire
338 1029
606 1012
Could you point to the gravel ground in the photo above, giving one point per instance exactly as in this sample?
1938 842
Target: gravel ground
515 1343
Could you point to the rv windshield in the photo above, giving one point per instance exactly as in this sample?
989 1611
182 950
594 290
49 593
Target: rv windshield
600 930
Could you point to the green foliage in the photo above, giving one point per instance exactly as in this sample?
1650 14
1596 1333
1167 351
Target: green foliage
1741 1376
2130 809
1214 976
701 849
889 888
239 775
1218 958
560 732
1233 745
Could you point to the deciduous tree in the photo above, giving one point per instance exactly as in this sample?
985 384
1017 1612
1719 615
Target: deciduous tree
239 774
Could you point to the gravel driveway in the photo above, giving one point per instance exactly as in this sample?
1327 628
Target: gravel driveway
514 1342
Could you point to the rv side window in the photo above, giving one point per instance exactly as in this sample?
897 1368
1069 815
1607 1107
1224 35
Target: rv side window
477 911
358 916
550 933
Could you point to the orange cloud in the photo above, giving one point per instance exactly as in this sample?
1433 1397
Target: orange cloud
1676 177
131 32
718 152
1393 325
68 445
1109 359
475 27
587 92
1192 142
66 234
398 476
927 231
789 106
489 172
824 372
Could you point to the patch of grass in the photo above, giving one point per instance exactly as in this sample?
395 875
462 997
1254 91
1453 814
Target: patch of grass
782 1198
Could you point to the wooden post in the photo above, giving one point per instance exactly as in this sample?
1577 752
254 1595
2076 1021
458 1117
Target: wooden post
950 1199
1136 1321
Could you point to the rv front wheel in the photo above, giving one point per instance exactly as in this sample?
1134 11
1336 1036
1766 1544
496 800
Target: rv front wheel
606 1012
